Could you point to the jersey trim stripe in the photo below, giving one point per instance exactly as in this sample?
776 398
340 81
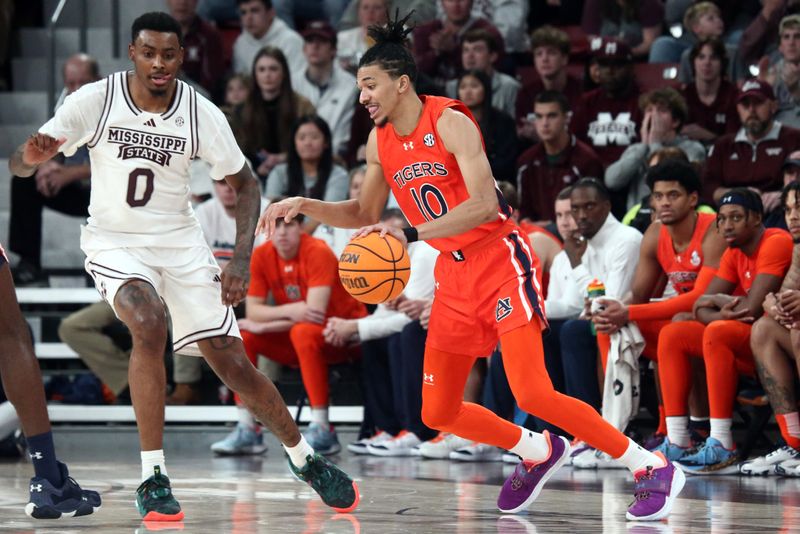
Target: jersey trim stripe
102 270
527 277
223 329
123 81
176 101
193 121
101 124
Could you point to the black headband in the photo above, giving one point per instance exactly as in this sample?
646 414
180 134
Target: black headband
739 199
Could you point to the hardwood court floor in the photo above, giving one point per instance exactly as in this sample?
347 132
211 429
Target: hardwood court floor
406 495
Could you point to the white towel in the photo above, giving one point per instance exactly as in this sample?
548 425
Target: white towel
621 389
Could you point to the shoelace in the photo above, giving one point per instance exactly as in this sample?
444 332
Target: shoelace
156 488
642 494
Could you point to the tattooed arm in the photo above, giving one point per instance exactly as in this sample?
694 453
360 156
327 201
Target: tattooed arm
236 274
792 278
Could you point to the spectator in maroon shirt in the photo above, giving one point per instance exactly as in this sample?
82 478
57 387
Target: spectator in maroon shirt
711 98
558 161
752 157
608 118
203 61
437 44
550 47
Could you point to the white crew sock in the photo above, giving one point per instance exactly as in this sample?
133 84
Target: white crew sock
320 416
678 431
636 458
721 430
151 459
299 452
532 446
246 418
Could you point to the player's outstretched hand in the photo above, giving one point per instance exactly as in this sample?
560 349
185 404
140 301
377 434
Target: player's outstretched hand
382 229
39 148
288 209
235 278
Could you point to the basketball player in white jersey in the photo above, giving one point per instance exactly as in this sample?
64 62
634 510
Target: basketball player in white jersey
144 247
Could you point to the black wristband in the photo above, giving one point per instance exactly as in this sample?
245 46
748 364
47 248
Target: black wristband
411 234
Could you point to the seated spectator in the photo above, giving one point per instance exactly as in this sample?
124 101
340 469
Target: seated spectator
664 113
263 123
392 348
354 42
550 47
775 347
327 86
88 332
260 28
608 118
203 59
497 127
605 250
635 22
791 173
753 156
701 21
294 12
510 17
711 97
217 217
557 161
309 170
421 11
237 89
437 44
784 73
479 52
302 276
564 295
756 261
761 37
61 184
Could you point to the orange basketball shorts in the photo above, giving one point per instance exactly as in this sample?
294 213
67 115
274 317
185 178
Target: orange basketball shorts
484 290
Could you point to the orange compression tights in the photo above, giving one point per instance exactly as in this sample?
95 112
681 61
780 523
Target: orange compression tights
523 357
301 346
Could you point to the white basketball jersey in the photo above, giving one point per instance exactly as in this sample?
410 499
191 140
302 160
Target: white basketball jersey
140 161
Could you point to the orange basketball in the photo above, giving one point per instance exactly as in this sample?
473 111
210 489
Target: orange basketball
374 269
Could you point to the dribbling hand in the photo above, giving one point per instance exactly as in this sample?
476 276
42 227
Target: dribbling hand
382 229
287 209
40 147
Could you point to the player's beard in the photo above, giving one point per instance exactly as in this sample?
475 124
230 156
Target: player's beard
158 92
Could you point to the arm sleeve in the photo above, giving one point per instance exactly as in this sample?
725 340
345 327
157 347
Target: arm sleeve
666 309
384 322
620 173
775 256
78 117
217 146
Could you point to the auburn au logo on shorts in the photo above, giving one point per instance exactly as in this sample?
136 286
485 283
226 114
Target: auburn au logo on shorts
504 309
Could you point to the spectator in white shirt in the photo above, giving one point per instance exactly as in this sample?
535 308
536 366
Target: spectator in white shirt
392 343
260 28
352 43
330 88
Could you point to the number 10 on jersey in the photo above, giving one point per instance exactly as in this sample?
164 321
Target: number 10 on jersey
430 201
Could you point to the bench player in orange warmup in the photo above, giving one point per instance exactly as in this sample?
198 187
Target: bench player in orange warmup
428 151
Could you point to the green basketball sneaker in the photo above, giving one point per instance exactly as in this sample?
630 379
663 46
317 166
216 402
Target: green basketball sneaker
155 501
334 487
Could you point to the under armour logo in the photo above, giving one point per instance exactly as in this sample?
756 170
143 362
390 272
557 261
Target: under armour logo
429 140
150 123
427 378
36 455
408 146
726 199
36 487
776 151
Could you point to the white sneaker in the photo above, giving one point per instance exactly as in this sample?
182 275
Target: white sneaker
595 459
400 445
477 452
789 468
440 447
766 465
510 458
360 446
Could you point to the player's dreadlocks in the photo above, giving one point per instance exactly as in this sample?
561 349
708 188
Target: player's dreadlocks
389 51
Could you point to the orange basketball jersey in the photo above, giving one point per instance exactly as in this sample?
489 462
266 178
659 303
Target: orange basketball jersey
772 256
425 177
682 267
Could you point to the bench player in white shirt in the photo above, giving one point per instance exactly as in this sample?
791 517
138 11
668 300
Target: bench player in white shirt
144 247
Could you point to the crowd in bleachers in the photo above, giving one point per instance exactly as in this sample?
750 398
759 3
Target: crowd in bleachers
616 128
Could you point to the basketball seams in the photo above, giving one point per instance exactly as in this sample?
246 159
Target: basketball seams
357 245
394 264
381 283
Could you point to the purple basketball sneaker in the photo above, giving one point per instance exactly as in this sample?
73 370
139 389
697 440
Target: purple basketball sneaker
525 484
655 491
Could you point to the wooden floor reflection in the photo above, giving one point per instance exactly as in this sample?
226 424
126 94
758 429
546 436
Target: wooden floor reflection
244 495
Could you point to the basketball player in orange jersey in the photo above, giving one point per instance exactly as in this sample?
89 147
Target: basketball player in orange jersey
756 261
682 247
428 151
